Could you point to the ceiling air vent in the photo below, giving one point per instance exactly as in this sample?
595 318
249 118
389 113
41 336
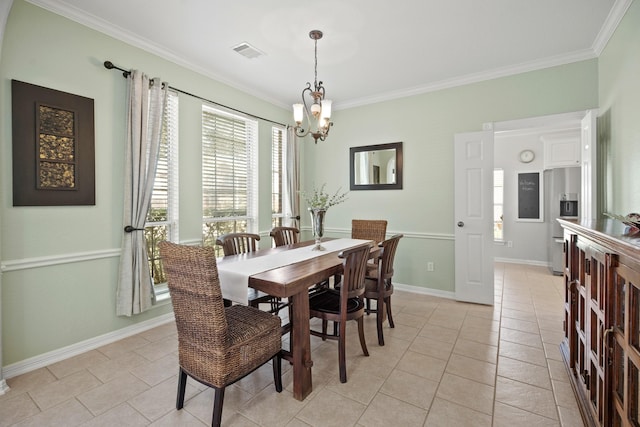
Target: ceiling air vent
248 51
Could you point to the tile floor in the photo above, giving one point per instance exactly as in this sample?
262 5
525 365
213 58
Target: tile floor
444 364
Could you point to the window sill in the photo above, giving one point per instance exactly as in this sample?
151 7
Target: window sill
162 293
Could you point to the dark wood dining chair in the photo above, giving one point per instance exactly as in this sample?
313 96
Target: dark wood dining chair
284 236
344 304
367 229
379 286
241 243
238 243
217 346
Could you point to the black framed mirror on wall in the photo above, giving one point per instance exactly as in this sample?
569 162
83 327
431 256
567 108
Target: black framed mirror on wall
376 167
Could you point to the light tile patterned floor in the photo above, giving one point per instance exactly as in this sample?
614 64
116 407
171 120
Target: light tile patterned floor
444 364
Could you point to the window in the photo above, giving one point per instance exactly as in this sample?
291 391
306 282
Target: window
278 177
498 204
162 218
229 174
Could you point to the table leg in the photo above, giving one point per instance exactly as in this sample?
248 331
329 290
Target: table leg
301 346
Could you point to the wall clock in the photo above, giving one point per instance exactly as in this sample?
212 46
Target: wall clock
527 156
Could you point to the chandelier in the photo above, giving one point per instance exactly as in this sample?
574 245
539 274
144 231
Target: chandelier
314 107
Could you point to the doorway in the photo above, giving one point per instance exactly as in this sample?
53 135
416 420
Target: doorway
506 249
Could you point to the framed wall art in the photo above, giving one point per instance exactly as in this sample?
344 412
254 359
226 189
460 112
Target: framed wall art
53 147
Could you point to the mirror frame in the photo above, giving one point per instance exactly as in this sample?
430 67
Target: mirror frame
391 146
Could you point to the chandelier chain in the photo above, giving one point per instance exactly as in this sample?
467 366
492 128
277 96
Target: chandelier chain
315 68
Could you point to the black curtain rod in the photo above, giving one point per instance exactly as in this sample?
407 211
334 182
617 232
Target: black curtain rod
125 73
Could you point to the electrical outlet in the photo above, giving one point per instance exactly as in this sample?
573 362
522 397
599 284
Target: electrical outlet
430 266
510 243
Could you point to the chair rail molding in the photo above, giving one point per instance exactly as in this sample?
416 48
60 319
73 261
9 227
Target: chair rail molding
45 261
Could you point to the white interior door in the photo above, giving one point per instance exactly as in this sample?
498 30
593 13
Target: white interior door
474 217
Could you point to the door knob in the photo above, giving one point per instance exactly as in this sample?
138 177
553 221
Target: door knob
460 224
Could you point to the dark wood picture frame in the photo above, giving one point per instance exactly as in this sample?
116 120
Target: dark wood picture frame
397 185
53 147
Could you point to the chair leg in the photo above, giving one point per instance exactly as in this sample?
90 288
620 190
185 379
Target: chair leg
368 307
342 352
182 384
379 321
277 371
363 343
324 330
218 400
380 312
387 302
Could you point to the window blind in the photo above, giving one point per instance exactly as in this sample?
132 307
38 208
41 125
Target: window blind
277 175
229 166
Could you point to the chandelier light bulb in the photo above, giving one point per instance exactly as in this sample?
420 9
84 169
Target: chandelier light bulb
315 110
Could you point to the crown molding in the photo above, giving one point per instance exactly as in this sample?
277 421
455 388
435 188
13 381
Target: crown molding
118 33
613 19
511 70
610 24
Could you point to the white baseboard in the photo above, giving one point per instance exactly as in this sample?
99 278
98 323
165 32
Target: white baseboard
54 356
425 291
523 261
3 387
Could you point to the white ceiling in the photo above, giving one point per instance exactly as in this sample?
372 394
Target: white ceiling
371 50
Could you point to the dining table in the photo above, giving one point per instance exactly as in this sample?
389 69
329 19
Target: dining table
290 277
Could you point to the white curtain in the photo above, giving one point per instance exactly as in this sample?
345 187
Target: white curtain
147 100
293 178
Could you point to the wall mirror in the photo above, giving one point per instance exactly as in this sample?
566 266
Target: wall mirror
376 167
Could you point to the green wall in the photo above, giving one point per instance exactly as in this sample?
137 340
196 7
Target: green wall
426 124
619 121
50 307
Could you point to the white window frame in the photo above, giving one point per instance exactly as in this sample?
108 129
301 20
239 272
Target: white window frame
498 203
279 187
249 221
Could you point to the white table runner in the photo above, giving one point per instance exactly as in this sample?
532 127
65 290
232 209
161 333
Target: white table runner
234 275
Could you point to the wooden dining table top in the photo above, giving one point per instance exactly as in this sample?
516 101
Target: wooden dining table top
290 279
293 281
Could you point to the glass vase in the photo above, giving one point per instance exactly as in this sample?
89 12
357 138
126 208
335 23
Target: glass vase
317 227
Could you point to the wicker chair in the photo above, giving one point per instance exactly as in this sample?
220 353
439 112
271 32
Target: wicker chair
241 243
217 346
369 229
284 235
344 304
378 285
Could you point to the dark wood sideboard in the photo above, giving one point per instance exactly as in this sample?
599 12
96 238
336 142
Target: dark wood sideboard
601 346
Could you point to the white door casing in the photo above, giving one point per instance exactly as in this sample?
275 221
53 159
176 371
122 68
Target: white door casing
589 186
473 222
